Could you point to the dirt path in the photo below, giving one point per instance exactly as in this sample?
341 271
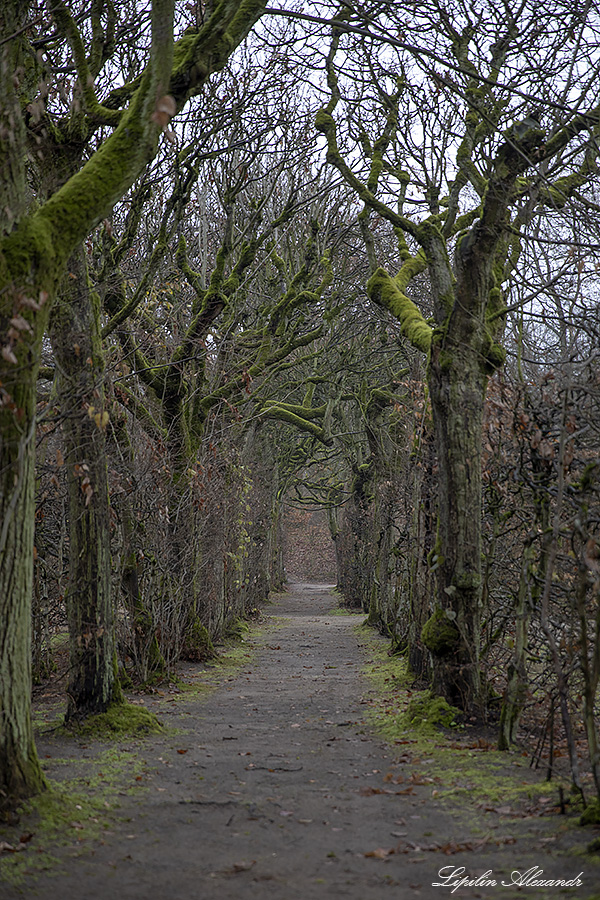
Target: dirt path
275 788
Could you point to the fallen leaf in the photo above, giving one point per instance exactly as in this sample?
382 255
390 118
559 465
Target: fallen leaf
243 866
394 779
380 853
417 778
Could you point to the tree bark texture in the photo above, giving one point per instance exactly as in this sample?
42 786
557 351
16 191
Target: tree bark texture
457 387
20 773
77 348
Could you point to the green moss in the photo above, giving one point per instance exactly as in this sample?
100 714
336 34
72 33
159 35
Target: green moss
198 645
426 709
342 610
237 630
234 657
384 671
591 815
125 679
382 290
463 771
439 634
445 360
495 355
77 805
324 121
118 720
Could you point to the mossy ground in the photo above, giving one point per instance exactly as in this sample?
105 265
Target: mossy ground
198 645
467 771
345 611
119 719
73 812
591 815
101 760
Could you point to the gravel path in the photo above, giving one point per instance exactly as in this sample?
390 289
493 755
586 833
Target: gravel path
275 788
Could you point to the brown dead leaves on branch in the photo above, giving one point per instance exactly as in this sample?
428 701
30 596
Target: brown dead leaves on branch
164 111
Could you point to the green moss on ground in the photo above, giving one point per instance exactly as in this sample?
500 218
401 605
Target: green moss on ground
426 710
386 672
198 645
74 811
237 630
345 611
591 814
119 720
460 768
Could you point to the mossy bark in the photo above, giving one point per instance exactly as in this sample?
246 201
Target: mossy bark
77 347
457 390
13 61
20 773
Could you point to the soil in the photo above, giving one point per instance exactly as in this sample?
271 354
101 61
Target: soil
275 786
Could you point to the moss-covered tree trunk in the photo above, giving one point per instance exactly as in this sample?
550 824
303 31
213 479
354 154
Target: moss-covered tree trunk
77 346
457 389
20 773
419 578
462 356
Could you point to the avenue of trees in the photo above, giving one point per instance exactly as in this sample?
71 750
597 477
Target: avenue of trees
346 255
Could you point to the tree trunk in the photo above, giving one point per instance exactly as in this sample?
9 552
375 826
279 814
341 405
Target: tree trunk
20 773
516 678
457 386
144 647
419 579
77 348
